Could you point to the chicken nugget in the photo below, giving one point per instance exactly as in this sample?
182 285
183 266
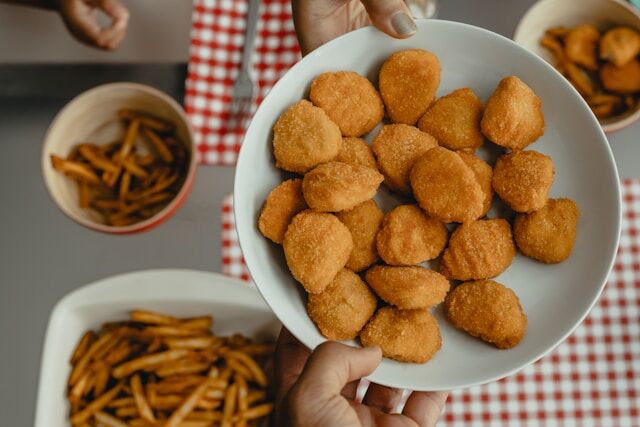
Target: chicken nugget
363 221
513 115
487 310
336 186
620 45
624 80
408 83
343 308
478 250
349 99
523 179
316 246
356 151
409 236
405 335
282 204
454 120
303 137
548 235
581 45
408 287
484 175
397 147
446 187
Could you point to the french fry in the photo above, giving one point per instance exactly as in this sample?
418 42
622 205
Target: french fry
158 144
104 204
84 194
193 343
152 318
215 394
79 389
123 351
182 367
188 405
203 322
146 160
145 362
155 345
259 350
129 138
171 331
123 401
96 405
101 378
82 346
257 411
75 170
133 168
108 420
127 411
147 120
125 183
81 365
96 158
255 396
188 382
141 402
256 371
210 416
557 32
239 368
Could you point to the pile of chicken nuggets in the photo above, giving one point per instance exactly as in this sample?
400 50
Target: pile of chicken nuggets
361 267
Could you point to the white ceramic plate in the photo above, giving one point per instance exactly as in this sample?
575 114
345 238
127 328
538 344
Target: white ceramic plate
235 306
555 298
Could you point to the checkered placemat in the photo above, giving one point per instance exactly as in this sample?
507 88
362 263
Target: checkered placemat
217 38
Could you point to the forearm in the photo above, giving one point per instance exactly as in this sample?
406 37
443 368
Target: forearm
42 4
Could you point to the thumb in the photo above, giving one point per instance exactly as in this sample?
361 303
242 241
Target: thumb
391 16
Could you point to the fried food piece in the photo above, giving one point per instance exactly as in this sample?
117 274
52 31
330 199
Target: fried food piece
349 99
620 45
581 45
409 236
484 175
336 186
343 308
579 79
408 287
408 83
624 80
303 137
604 105
548 235
363 221
282 204
356 151
316 246
559 32
523 179
556 49
406 335
478 250
487 310
397 147
454 120
513 115
446 187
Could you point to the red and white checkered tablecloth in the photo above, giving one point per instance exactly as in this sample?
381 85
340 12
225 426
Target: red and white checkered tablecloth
217 38
592 379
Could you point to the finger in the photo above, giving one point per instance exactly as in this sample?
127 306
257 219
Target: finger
115 10
373 417
350 390
425 407
111 37
391 16
290 358
383 398
82 25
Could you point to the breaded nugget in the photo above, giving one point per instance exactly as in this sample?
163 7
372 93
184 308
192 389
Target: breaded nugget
343 308
282 204
303 137
523 179
409 236
356 151
513 115
363 221
446 187
478 250
397 147
625 79
487 310
316 246
408 287
349 99
408 83
484 175
336 186
548 235
406 335
454 120
581 45
620 45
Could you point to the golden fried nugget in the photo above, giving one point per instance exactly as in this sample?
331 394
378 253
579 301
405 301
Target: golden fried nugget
363 221
620 45
406 335
408 83
303 137
408 287
625 79
409 236
581 45
484 175
316 246
478 250
454 120
349 99
282 204
343 308
579 79
548 235
487 310
446 187
356 151
397 147
336 186
523 179
513 115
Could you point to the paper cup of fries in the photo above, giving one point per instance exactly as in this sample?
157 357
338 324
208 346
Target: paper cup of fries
119 158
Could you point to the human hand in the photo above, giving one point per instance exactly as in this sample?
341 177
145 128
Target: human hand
318 389
81 18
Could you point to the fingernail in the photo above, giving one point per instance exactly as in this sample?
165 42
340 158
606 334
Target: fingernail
403 24
373 349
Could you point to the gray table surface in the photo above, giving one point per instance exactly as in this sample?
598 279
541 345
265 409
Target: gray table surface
43 255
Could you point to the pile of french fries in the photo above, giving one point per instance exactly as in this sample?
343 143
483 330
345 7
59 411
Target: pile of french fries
118 180
157 370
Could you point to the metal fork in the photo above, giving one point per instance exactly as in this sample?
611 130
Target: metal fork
244 88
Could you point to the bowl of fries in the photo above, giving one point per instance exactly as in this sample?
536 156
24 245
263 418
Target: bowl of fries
119 158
